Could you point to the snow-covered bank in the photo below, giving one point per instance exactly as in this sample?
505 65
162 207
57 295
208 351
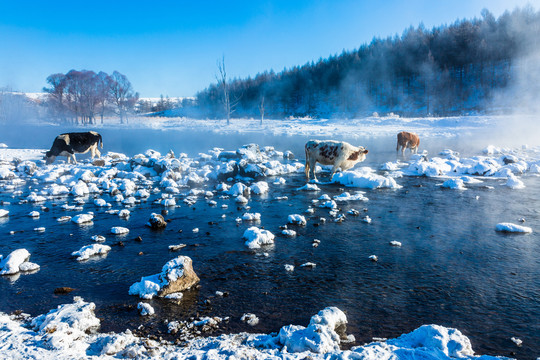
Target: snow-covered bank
71 332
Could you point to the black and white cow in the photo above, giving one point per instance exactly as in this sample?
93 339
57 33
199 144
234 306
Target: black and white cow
329 152
69 144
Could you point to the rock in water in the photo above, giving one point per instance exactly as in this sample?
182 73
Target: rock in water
156 222
175 276
63 290
179 274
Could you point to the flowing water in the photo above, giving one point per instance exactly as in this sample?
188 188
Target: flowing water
452 269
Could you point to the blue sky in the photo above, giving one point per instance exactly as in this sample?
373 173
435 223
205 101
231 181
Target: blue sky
171 47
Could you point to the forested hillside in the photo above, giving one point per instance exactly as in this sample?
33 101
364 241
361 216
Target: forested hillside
450 69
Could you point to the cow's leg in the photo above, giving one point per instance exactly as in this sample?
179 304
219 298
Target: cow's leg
95 151
406 145
334 170
312 165
74 159
306 170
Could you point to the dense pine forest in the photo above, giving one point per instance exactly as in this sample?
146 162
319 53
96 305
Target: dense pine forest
450 69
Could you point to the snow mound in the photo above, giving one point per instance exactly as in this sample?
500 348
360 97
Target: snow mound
87 251
65 327
359 196
15 262
256 237
82 218
251 216
145 309
432 339
309 187
119 230
297 219
364 178
455 184
514 183
259 188
68 332
512 228
319 337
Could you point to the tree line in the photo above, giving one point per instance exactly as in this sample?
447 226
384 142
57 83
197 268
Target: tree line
82 96
449 69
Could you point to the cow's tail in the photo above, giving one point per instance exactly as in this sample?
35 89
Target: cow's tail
100 140
307 164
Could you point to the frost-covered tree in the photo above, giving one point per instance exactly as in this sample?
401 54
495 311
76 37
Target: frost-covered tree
122 95
81 95
448 69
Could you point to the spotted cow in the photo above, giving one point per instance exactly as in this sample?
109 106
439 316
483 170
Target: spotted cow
329 152
407 140
69 144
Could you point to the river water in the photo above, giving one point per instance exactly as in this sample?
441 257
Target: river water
452 269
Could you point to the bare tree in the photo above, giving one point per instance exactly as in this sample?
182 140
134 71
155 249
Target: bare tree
229 106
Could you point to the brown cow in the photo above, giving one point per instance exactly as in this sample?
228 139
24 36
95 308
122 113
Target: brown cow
337 153
407 140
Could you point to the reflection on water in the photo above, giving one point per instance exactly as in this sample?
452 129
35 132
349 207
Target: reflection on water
452 269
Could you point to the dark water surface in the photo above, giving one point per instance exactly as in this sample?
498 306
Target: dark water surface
452 269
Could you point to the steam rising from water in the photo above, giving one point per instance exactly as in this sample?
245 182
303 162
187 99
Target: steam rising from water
522 98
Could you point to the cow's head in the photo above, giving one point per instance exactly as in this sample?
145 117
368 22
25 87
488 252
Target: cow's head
359 155
49 157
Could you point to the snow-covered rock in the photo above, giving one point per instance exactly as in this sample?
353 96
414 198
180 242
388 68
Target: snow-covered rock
512 228
319 337
250 319
119 230
345 196
364 178
259 188
288 232
256 237
87 251
156 221
251 217
82 218
176 275
145 309
514 183
16 261
65 327
297 219
456 184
